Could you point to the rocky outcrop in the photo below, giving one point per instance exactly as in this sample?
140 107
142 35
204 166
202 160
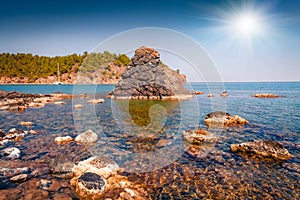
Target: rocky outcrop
17 101
148 78
98 177
265 149
265 95
220 118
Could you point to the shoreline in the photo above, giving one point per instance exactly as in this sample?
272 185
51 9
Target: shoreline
186 82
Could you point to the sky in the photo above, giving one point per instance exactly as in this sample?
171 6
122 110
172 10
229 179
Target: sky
246 40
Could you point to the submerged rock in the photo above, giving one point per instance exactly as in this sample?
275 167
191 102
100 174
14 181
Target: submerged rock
265 149
95 101
78 106
199 136
196 92
63 139
224 119
26 123
19 178
12 152
90 186
148 78
87 137
265 95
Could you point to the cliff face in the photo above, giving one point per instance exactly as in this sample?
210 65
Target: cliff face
147 78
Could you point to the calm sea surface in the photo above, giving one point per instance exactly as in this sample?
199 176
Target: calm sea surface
145 138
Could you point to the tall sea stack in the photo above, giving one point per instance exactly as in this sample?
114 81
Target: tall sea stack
148 78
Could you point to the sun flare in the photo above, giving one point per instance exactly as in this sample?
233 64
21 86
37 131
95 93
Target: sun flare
247 25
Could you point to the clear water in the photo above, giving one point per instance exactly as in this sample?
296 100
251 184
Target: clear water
218 174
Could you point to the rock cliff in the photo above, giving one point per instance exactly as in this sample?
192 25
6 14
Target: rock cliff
147 78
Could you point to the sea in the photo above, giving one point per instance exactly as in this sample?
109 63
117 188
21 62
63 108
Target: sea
145 138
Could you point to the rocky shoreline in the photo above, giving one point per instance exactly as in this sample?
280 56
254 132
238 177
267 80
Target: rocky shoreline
16 101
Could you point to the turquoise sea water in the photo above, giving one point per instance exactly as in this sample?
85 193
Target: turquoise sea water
217 174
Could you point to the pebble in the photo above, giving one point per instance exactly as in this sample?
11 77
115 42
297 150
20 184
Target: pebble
63 139
78 106
19 178
87 137
95 101
59 102
26 123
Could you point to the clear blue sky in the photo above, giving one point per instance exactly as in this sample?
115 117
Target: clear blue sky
66 27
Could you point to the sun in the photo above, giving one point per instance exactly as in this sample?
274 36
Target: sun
247 25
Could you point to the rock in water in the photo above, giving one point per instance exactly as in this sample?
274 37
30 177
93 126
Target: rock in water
87 137
12 152
199 136
99 165
63 139
90 186
265 95
265 149
224 119
148 78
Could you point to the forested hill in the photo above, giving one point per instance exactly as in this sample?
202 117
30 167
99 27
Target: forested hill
27 68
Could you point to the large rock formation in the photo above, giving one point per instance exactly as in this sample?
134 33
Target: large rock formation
148 78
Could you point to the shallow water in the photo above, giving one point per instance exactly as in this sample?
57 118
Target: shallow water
145 139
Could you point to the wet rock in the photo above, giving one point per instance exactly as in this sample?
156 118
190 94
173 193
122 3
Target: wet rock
100 165
220 118
45 184
62 197
1 134
12 153
14 134
95 101
199 136
19 178
292 166
148 78
63 139
224 94
9 172
87 137
62 170
196 92
26 123
78 106
90 186
59 102
10 194
271 149
265 95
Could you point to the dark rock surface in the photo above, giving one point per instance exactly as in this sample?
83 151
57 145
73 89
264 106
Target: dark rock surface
148 78
92 181
265 149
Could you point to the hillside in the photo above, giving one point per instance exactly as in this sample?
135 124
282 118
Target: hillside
103 67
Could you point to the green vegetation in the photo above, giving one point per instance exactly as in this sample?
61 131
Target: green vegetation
34 66
122 60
